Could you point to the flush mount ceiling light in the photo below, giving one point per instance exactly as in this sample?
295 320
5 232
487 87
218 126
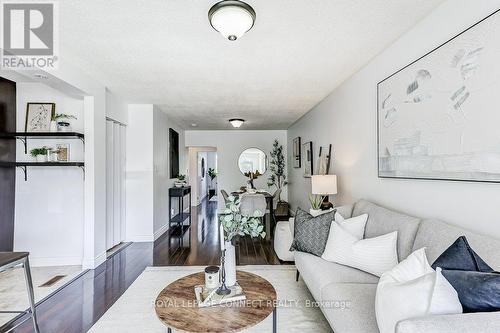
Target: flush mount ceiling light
231 18
236 122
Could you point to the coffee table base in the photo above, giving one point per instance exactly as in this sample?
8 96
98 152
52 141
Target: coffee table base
274 322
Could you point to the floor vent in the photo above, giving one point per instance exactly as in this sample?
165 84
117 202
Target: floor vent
52 281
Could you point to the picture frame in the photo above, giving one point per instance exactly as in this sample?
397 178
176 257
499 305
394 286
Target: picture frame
39 116
436 117
63 154
296 153
173 140
308 159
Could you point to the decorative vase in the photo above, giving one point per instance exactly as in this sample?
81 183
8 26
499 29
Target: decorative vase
41 158
315 212
230 264
53 126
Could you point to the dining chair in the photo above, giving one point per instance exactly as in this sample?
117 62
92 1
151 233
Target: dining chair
225 196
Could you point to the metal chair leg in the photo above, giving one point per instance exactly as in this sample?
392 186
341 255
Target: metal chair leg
31 295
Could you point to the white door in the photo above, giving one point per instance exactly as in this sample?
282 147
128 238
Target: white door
115 183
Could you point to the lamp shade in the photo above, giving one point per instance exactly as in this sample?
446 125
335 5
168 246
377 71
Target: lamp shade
324 184
231 18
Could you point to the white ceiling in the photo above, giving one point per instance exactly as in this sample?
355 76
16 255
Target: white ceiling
166 53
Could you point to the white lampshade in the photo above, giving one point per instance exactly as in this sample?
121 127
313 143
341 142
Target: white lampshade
231 18
324 184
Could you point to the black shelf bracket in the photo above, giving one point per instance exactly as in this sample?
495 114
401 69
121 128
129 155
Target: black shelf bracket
83 170
25 142
25 170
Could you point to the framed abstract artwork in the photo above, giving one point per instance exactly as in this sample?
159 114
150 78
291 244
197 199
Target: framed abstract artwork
173 140
307 149
296 152
39 116
438 117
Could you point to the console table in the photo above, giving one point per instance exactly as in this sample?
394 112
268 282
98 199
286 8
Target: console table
181 216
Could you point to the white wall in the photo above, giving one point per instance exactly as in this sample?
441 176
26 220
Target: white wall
50 205
148 178
161 162
229 145
116 109
348 119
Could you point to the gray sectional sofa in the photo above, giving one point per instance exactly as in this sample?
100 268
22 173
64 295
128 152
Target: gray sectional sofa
348 294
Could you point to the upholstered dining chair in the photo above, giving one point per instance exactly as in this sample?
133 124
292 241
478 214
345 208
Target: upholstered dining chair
225 196
250 203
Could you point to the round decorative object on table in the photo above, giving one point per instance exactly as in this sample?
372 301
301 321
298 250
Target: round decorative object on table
176 306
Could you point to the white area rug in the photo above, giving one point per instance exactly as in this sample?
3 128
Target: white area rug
134 311
13 293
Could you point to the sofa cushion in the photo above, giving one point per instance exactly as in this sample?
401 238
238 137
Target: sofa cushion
311 233
436 236
350 307
317 273
382 221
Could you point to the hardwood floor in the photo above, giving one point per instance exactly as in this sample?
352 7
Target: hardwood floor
77 306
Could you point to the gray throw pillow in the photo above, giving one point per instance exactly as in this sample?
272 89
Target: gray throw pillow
311 233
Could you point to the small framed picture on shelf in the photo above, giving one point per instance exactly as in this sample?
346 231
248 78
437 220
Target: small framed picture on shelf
62 152
39 116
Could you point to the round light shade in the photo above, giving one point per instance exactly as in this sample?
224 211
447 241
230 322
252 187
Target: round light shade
231 18
236 122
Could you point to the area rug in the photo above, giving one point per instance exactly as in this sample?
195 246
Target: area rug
134 311
13 294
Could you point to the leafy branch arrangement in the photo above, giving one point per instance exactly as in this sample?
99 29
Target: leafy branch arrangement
277 167
61 116
211 173
235 224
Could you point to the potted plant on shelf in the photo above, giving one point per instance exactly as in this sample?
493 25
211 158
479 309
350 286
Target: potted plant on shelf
180 181
212 174
40 154
233 224
63 122
278 176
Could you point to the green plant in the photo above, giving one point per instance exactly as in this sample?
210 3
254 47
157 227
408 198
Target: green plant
316 201
181 178
235 224
60 116
277 168
38 151
211 173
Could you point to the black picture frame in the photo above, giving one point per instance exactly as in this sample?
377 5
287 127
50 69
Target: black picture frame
173 138
297 158
378 112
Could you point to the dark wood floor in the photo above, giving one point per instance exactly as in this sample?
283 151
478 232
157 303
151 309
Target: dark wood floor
76 307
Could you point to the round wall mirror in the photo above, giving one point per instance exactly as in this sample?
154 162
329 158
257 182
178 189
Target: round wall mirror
252 160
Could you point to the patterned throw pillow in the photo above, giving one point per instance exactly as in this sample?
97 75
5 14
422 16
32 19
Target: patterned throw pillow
311 233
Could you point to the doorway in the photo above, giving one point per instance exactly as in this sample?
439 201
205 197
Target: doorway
203 174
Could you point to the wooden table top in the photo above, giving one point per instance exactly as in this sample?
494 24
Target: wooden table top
176 305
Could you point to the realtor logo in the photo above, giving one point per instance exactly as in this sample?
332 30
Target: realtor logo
29 31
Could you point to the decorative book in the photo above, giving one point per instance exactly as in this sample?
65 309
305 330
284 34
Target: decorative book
209 297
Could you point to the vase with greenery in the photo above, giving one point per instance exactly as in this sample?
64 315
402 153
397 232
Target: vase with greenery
40 154
277 168
63 121
180 181
234 224
315 200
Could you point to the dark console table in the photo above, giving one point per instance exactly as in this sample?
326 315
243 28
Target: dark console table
178 219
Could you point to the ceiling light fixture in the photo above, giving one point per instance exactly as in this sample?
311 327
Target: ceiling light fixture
236 122
231 18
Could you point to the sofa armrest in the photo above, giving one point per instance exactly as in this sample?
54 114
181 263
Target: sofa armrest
484 322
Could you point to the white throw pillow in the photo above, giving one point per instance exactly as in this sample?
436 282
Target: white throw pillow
413 289
373 255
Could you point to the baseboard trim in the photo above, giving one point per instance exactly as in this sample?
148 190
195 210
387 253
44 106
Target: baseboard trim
158 233
94 262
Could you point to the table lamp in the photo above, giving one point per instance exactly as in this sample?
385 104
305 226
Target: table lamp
324 185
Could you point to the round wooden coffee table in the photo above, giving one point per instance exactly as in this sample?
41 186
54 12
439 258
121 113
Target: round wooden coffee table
176 306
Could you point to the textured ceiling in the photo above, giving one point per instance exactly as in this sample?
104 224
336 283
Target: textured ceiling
166 53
